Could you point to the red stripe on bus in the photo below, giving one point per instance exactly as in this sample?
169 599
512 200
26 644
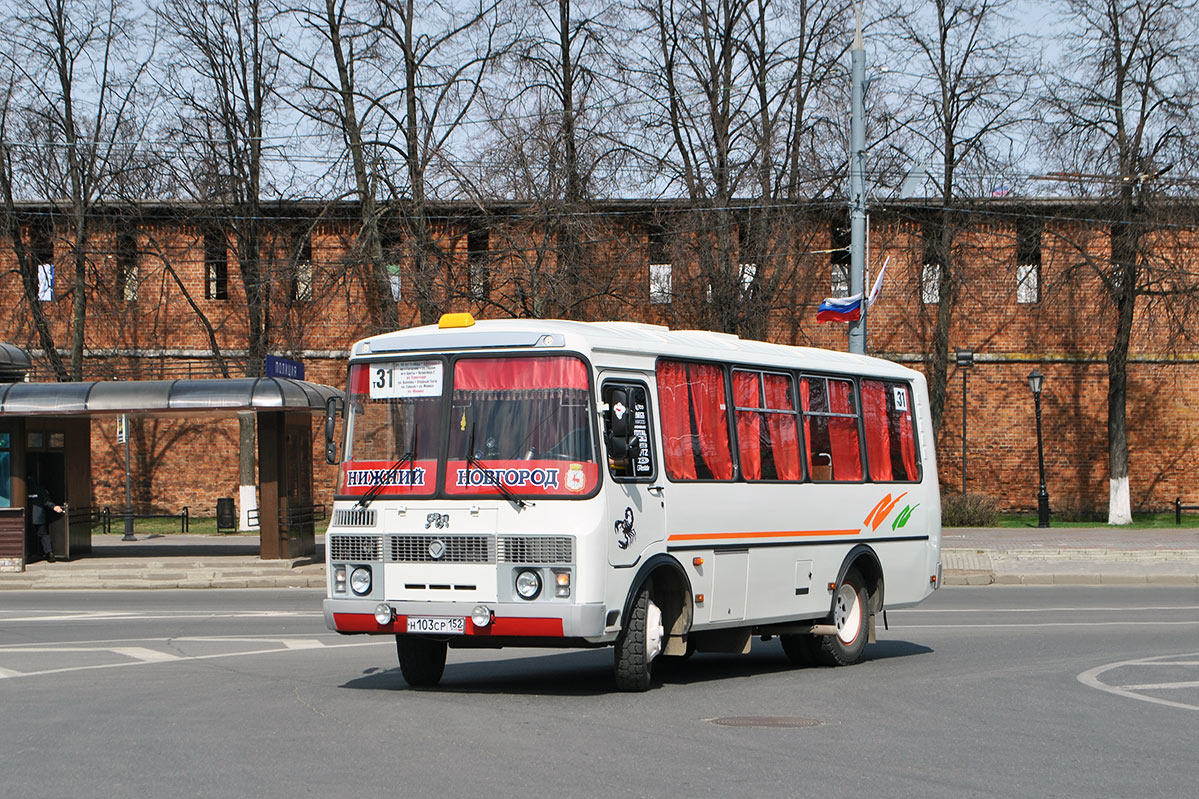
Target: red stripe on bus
366 623
774 534
360 623
541 628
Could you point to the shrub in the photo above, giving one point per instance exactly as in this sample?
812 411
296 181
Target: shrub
971 510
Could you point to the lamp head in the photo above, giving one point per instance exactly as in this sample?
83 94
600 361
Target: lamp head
1035 379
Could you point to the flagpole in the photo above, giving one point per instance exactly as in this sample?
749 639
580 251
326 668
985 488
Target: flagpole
857 182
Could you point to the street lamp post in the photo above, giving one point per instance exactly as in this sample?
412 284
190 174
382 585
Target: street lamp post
1035 381
964 360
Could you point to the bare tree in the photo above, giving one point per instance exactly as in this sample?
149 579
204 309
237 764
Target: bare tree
553 143
345 89
1124 114
963 118
224 82
443 51
79 69
694 78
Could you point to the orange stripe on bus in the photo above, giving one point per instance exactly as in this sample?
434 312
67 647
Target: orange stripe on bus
774 534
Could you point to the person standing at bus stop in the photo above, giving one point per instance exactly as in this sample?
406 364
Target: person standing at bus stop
40 508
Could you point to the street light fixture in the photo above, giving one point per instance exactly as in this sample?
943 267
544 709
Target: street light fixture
964 360
1035 381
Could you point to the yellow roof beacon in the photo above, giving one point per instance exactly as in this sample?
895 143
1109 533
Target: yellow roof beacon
456 320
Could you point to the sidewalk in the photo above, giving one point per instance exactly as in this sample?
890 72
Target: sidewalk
1070 556
173 561
971 556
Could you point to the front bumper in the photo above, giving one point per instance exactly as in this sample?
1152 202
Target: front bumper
509 619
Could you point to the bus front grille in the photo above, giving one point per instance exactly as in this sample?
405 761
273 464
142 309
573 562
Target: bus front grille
354 517
537 549
355 547
451 549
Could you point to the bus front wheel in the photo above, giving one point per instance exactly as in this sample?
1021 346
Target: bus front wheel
422 661
851 616
639 643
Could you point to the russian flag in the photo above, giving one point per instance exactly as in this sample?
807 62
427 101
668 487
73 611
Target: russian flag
840 309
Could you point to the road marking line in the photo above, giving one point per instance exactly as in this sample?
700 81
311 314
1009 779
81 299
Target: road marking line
10 673
1161 686
302 643
144 654
1090 678
123 664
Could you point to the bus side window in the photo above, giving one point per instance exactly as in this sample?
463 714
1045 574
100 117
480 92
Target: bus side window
637 464
890 441
830 422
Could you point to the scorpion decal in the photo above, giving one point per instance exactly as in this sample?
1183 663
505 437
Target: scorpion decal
624 530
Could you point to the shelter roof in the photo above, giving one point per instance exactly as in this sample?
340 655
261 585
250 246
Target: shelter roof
163 397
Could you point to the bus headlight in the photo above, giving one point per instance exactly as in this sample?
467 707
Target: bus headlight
528 584
360 580
383 614
561 582
480 616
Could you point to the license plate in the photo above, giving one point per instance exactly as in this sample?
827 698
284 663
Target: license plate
436 625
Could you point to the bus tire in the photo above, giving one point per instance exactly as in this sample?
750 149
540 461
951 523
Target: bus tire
639 643
851 616
422 661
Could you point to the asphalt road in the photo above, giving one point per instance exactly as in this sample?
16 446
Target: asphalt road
1023 691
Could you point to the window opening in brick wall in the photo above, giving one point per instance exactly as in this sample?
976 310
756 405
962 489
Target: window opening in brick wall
478 263
216 265
1028 260
127 276
934 261
839 259
41 249
748 273
661 270
301 281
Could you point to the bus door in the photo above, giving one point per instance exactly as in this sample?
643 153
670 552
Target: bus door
636 505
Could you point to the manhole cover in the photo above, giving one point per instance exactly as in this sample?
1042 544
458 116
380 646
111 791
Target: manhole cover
765 721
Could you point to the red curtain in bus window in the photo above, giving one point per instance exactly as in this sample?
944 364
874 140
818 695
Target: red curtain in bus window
843 433
907 442
500 374
749 424
878 433
784 433
807 421
711 417
360 379
673 402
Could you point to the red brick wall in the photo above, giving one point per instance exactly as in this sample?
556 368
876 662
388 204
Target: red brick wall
1066 336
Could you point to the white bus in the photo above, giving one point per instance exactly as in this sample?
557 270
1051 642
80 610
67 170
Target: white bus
545 483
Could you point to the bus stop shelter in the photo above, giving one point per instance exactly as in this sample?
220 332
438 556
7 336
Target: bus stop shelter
45 428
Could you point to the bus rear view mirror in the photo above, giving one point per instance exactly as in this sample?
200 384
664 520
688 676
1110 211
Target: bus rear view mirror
331 406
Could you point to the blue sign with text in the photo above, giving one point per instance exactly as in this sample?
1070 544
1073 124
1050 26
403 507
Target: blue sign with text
284 367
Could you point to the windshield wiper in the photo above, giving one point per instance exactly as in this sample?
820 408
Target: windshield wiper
496 480
408 457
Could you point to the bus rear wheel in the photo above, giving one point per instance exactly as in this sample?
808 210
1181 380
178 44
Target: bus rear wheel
422 661
851 616
639 643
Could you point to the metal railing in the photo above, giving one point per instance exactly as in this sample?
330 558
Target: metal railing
107 515
1179 508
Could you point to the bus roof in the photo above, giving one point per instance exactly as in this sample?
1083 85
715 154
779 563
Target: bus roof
620 339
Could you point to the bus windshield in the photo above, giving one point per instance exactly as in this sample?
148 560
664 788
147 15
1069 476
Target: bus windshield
517 425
